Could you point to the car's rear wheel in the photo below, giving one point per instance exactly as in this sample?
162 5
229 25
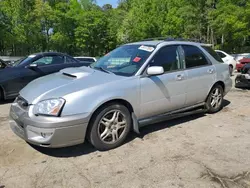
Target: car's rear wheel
215 99
109 126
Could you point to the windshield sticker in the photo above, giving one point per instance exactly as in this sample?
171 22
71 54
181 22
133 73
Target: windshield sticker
136 59
146 48
31 56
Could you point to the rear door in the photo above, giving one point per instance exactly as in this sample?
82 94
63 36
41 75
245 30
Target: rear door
201 74
166 92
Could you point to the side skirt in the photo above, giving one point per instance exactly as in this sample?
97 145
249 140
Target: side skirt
195 109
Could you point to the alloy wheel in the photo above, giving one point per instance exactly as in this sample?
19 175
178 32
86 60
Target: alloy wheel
216 98
112 127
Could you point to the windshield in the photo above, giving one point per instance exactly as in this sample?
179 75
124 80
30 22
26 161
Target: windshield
125 60
22 60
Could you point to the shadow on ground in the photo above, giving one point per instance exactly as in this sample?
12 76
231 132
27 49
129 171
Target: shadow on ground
87 148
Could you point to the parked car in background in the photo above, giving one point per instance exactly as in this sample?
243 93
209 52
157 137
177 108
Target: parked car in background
87 60
238 57
228 59
243 80
152 81
242 63
13 77
2 64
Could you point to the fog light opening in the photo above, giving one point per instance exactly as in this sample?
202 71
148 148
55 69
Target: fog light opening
46 135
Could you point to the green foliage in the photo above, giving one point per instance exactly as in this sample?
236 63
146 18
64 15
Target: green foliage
80 27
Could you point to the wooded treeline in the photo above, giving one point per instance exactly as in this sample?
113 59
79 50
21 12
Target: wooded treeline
80 27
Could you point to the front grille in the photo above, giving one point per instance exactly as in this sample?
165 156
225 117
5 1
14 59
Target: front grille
22 102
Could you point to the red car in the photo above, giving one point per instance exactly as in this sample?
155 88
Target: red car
242 63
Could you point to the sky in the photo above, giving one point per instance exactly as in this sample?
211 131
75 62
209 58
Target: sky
103 2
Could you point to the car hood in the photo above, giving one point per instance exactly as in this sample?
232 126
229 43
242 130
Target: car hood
66 81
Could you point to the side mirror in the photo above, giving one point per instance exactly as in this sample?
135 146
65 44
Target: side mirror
155 70
32 66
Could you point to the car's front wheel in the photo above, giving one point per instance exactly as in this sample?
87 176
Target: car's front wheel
215 99
109 126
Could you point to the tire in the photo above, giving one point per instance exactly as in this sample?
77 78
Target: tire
109 126
231 70
214 101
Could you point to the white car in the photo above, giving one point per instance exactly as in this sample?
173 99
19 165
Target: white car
228 59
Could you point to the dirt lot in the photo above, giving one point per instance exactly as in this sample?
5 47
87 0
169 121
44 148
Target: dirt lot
201 151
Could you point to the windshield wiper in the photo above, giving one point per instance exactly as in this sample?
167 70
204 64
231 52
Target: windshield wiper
103 70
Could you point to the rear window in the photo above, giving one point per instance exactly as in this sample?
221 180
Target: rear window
212 53
86 59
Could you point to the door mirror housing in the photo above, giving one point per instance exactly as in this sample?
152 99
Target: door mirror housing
155 70
32 66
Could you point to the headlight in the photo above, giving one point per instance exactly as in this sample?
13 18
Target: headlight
51 107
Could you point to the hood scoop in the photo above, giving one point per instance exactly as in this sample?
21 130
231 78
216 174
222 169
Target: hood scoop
69 75
77 72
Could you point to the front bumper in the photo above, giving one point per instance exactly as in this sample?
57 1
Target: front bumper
242 81
43 131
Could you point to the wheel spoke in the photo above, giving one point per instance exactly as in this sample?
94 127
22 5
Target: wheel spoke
115 116
105 134
219 101
213 102
107 120
115 136
104 122
121 125
216 91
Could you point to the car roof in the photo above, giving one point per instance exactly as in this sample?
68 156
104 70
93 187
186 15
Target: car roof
157 42
49 53
84 57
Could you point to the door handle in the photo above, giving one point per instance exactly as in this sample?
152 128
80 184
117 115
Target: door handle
179 77
210 71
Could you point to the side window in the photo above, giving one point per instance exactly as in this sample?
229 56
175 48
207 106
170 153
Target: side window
91 60
168 58
49 60
194 57
221 54
69 60
213 53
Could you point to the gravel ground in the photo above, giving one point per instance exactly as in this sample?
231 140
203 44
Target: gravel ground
199 151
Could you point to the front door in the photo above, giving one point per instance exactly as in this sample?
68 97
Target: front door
166 92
